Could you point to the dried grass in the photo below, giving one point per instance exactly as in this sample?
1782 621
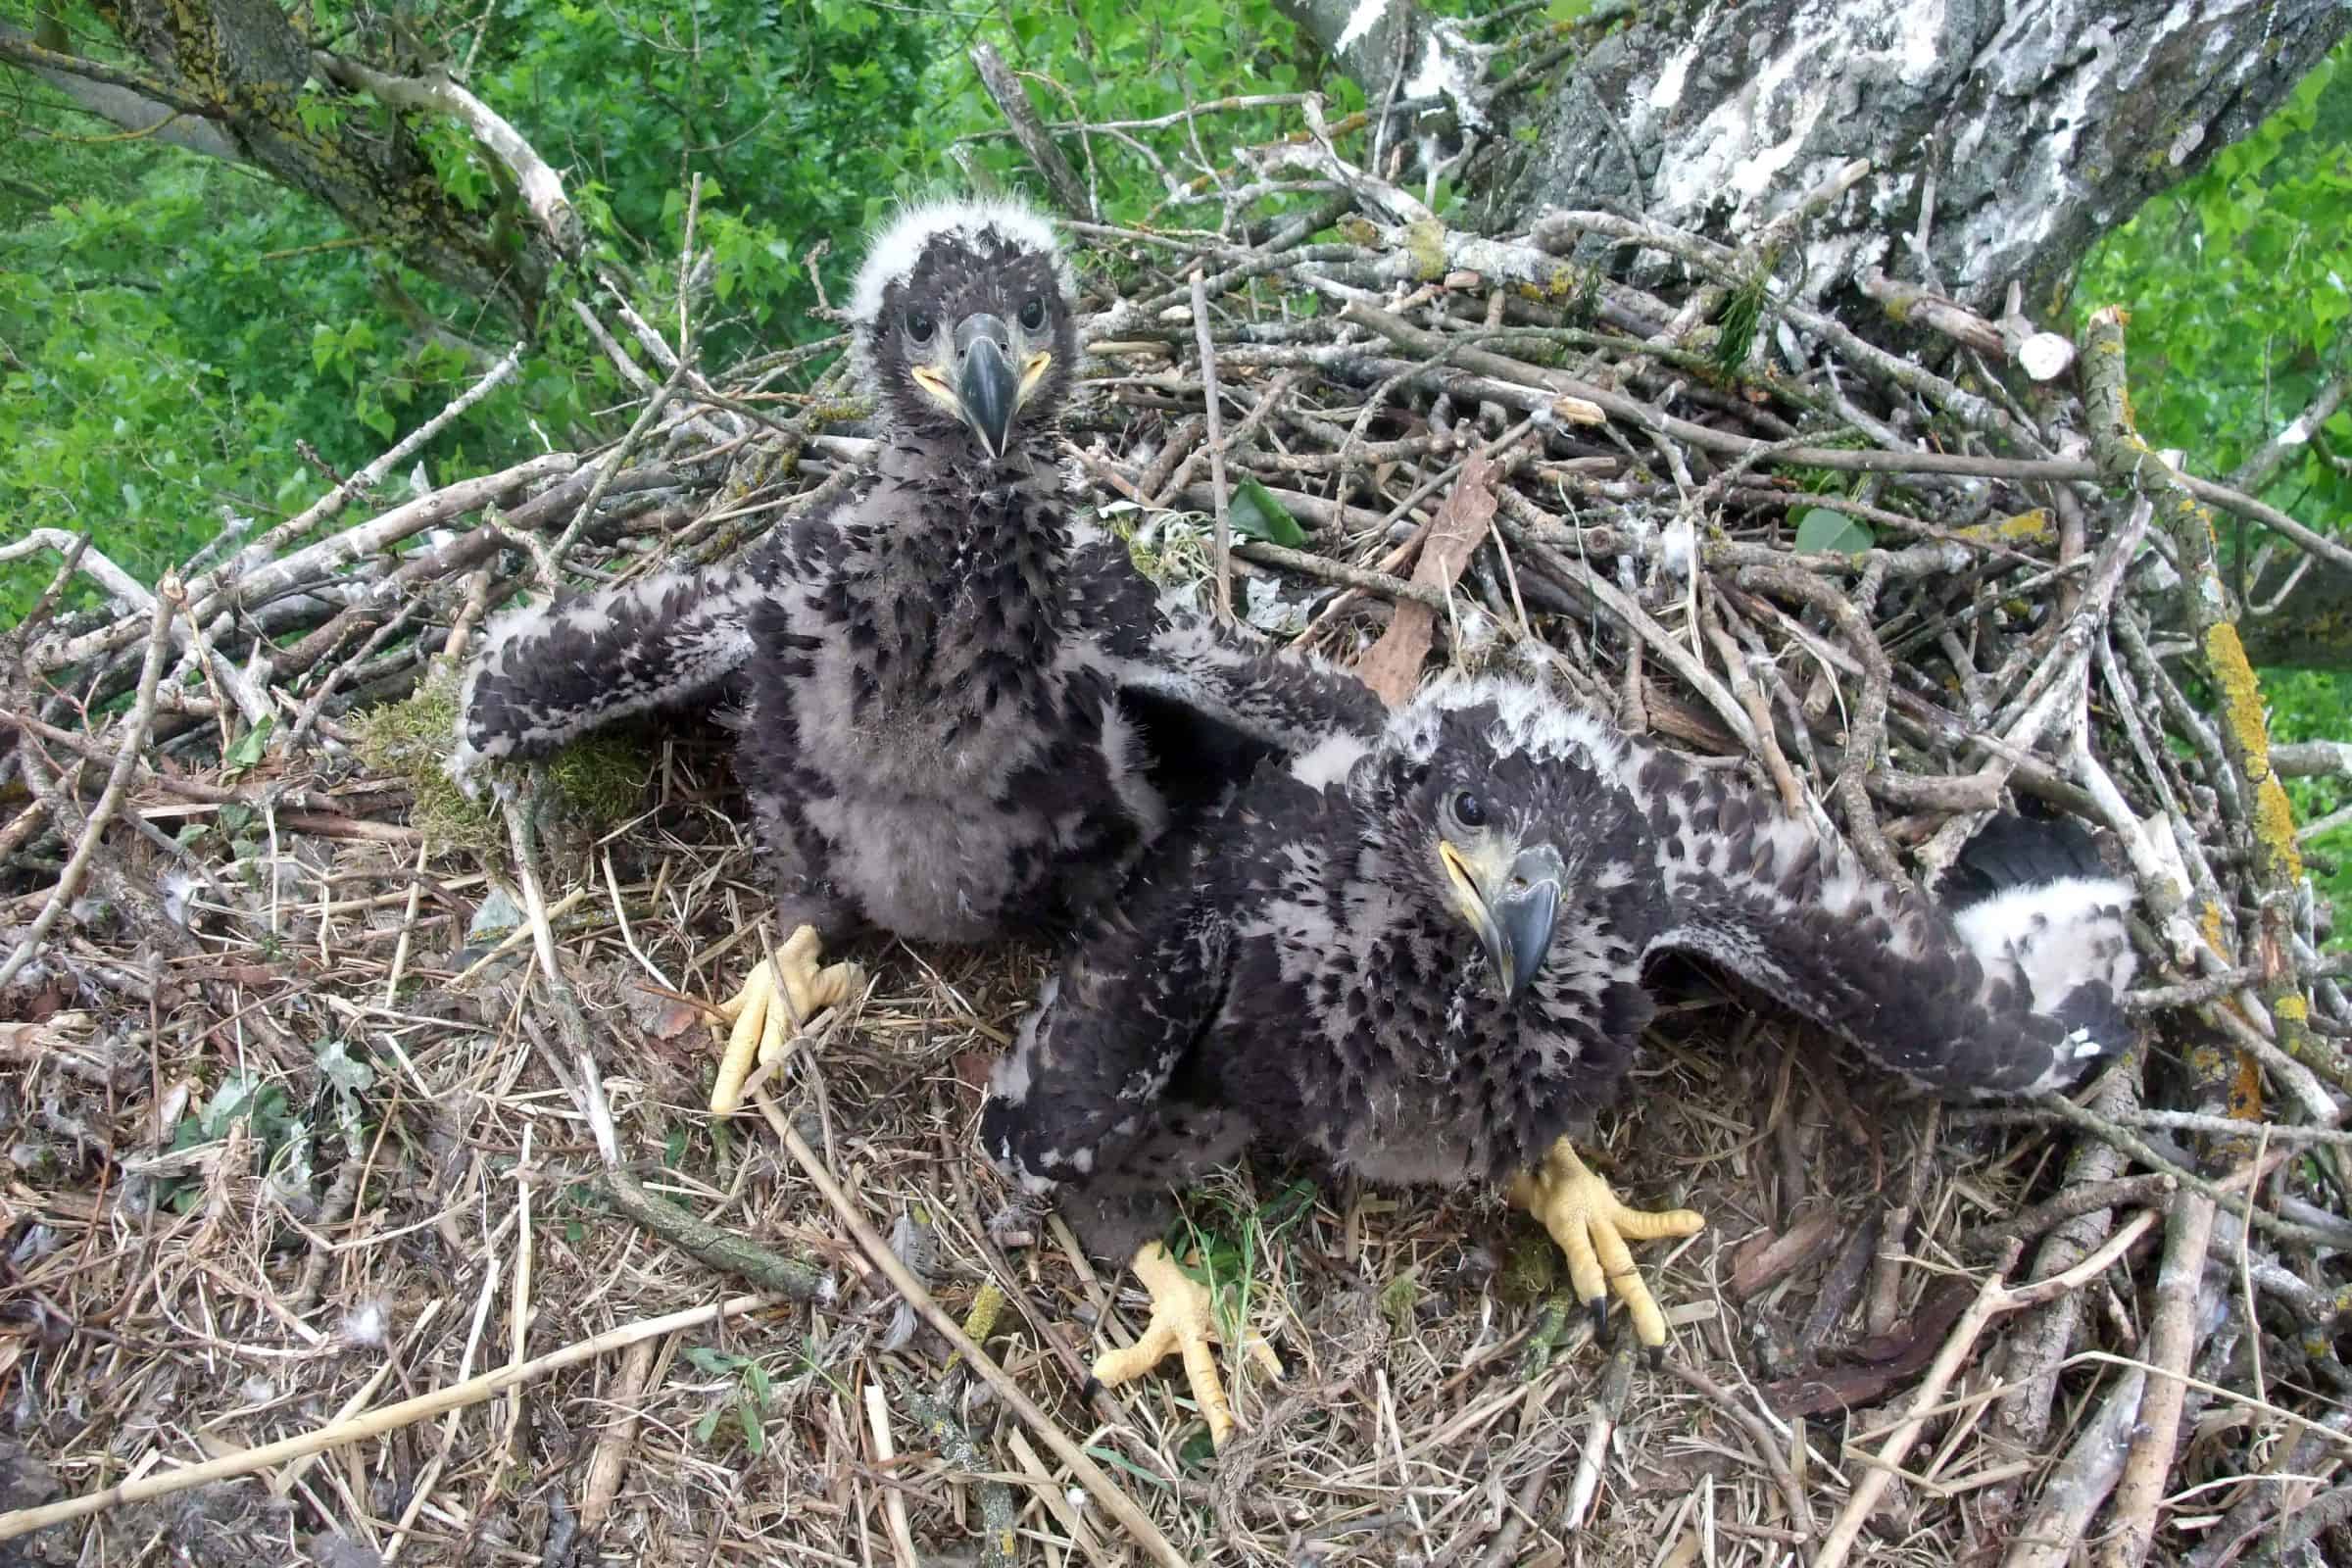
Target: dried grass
292 1138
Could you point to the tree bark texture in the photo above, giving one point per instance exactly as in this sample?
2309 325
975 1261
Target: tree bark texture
2020 133
228 77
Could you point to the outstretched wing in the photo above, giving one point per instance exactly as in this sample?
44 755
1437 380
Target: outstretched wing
547 674
2014 993
1212 700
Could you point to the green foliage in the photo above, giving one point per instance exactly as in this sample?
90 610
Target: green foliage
745 1401
1256 514
1821 528
284 1138
2240 282
171 327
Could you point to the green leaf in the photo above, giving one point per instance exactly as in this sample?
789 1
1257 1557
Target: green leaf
1819 530
250 745
707 1424
1568 10
342 1069
1119 1461
1255 513
755 1437
715 1363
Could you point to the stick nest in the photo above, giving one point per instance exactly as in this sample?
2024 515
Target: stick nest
300 1124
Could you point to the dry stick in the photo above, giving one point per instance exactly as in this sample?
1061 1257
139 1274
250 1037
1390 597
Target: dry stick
612 1458
1760 1437
2081 1482
1994 1300
1216 443
359 485
1005 90
894 1497
2172 1340
2222 1192
392 1417
716 1247
1866 738
2127 1192
1090 1475
126 757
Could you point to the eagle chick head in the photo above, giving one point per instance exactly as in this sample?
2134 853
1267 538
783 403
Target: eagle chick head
1491 802
962 323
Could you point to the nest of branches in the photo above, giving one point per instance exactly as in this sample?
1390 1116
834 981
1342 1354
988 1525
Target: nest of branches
358 1202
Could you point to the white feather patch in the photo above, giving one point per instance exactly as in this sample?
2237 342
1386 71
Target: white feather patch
895 252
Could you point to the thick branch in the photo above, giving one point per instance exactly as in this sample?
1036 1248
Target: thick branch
141 105
2007 140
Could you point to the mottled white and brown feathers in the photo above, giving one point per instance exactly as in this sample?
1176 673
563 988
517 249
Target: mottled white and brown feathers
1296 975
965 712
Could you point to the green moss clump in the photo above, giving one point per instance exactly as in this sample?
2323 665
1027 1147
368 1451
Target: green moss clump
598 780
411 741
1532 1271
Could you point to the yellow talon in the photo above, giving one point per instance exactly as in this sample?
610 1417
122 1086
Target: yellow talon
759 1032
1591 1227
1181 1320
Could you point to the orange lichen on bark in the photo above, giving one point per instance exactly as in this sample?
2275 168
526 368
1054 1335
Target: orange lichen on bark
2248 727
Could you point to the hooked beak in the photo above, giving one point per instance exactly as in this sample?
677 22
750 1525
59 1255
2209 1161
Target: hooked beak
985 384
987 391
1511 908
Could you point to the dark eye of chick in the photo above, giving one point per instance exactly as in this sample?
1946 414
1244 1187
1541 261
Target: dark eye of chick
1033 312
919 325
1469 809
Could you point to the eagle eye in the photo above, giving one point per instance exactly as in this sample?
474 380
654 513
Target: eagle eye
919 325
1469 809
1033 312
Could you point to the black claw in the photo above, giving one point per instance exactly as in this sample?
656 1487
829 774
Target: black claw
1657 1357
1598 1306
1091 1390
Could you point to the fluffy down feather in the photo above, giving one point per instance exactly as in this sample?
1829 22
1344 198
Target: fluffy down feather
965 713
1311 972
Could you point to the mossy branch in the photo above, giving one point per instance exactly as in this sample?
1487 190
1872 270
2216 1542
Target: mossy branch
2206 611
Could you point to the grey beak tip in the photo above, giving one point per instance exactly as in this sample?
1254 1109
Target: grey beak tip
990 392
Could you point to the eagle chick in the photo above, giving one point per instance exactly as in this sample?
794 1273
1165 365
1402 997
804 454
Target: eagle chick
1417 952
966 711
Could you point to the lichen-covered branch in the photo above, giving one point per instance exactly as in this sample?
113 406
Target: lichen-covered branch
2211 619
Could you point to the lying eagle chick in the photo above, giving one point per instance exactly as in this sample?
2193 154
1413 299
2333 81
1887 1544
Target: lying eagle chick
968 713
1418 953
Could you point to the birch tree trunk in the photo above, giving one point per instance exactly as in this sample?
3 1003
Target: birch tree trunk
2011 136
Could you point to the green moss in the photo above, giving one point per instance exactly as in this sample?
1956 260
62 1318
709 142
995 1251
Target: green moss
409 741
597 780
1532 1271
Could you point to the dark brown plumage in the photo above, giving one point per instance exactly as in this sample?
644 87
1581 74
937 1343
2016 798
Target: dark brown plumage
1418 953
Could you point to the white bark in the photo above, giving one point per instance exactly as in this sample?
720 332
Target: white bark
2012 135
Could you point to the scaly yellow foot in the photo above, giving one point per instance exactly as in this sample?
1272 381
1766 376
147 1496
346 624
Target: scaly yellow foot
777 999
1181 1320
1591 1227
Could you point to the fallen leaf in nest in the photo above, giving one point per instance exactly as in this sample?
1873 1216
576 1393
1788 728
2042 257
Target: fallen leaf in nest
974 1067
674 1019
1882 1362
1392 667
1766 1260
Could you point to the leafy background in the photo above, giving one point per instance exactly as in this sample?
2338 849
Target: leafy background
171 327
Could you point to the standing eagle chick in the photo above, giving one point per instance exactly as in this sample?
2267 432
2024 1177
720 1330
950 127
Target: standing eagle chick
947 677
1418 952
